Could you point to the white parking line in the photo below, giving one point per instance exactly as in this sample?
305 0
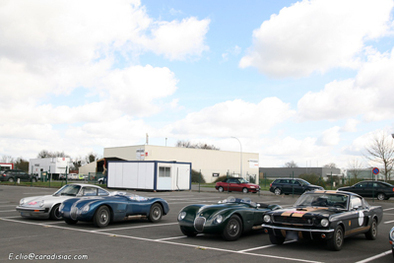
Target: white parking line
267 246
163 241
170 238
134 227
7 211
375 257
7 205
387 209
389 222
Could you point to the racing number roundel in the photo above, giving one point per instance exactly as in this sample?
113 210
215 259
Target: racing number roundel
360 218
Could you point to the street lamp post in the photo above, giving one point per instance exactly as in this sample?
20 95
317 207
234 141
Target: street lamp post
240 147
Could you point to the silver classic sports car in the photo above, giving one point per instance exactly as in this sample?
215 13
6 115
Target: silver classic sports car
47 206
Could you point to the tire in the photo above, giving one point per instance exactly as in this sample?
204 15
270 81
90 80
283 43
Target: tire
277 191
69 221
156 212
245 190
381 196
220 189
188 233
102 217
373 231
55 214
277 240
336 242
233 229
11 180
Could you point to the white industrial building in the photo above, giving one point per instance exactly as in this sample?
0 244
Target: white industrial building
211 163
54 166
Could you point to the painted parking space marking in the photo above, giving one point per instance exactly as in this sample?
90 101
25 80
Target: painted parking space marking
134 227
389 222
387 209
8 211
171 238
162 241
266 246
7 206
375 257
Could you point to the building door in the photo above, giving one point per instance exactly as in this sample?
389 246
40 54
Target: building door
164 181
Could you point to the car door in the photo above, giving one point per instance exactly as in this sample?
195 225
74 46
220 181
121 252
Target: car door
233 184
296 187
359 188
286 186
357 219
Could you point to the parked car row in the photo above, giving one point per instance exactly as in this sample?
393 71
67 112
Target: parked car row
298 186
91 203
330 215
15 174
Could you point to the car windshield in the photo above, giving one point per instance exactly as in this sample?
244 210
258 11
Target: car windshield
242 181
322 200
232 199
131 197
303 182
69 189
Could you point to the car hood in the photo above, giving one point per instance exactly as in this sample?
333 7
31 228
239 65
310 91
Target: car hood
307 212
49 200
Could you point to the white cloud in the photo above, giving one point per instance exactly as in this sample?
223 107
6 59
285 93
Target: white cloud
368 94
350 126
316 35
330 137
234 118
179 40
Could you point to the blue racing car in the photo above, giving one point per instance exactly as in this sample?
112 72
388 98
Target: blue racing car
101 210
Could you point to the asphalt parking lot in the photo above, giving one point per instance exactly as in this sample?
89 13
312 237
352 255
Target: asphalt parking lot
138 240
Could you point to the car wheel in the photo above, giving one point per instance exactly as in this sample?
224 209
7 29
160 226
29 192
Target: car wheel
69 221
245 190
188 233
276 239
156 212
336 242
233 229
220 189
381 196
277 191
102 217
11 180
373 231
55 213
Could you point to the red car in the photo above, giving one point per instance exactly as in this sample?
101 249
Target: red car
237 184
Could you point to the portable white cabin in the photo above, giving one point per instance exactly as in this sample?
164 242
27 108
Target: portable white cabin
149 175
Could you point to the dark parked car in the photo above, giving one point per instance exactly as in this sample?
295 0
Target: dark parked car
237 184
14 175
324 215
292 186
380 190
230 217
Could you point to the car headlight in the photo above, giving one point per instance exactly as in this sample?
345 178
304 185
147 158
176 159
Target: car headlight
267 218
392 233
42 203
181 215
324 222
22 201
218 219
85 208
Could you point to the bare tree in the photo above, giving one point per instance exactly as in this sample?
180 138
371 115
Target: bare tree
355 167
91 157
187 144
330 165
381 150
291 164
7 159
48 154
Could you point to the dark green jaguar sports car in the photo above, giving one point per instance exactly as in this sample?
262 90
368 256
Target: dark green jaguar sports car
230 217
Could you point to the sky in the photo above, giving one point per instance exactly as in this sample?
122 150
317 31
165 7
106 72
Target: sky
306 81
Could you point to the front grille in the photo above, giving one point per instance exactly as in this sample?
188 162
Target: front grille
199 223
302 221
